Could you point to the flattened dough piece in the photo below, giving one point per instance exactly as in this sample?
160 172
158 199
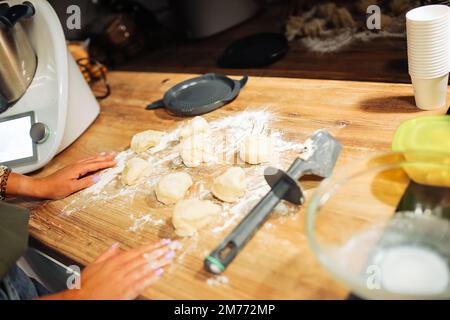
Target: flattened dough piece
231 185
173 187
142 141
256 149
196 126
134 169
193 214
195 150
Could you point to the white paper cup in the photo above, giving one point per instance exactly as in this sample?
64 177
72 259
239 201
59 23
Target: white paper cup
435 55
430 94
435 58
422 61
439 37
426 15
419 29
428 62
434 30
425 77
442 59
427 41
429 48
421 26
428 73
428 35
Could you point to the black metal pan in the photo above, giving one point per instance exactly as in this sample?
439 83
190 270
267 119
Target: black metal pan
200 95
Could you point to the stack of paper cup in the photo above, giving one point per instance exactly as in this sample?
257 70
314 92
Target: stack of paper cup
428 34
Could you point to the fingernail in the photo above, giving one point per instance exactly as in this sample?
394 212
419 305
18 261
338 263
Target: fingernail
157 264
102 154
96 179
175 245
115 245
154 255
159 272
169 255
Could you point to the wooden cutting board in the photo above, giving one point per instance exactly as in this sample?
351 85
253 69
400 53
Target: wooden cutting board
278 262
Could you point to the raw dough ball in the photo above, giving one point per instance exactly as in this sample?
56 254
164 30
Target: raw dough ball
144 140
173 187
195 150
193 214
256 149
135 168
196 126
231 185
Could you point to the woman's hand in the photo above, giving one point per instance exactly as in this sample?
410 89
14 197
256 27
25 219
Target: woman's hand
73 178
63 182
118 275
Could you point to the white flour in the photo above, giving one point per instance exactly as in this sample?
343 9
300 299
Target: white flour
217 281
140 222
413 270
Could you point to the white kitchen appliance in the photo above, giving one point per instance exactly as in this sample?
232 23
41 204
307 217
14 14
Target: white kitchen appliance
58 105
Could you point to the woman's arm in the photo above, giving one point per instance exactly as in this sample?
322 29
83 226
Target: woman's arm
62 183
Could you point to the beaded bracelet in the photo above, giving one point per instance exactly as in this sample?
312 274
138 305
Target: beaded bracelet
4 175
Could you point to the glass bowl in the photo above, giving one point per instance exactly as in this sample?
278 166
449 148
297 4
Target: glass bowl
382 226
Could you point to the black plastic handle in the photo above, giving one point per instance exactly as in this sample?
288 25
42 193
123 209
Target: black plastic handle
15 13
156 105
223 255
238 85
243 81
219 259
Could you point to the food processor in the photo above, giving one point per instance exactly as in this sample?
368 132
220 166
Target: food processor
45 103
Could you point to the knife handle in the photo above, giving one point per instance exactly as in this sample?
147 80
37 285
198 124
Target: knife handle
223 255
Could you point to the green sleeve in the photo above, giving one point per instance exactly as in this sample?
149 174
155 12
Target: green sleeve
13 235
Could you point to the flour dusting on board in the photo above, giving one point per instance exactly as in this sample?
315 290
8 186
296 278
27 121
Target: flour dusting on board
144 215
227 134
139 221
217 281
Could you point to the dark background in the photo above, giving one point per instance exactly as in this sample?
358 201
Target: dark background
164 38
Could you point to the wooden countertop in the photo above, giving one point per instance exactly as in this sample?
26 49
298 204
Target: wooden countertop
278 262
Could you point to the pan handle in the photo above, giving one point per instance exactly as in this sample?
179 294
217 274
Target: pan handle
243 81
156 105
238 85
